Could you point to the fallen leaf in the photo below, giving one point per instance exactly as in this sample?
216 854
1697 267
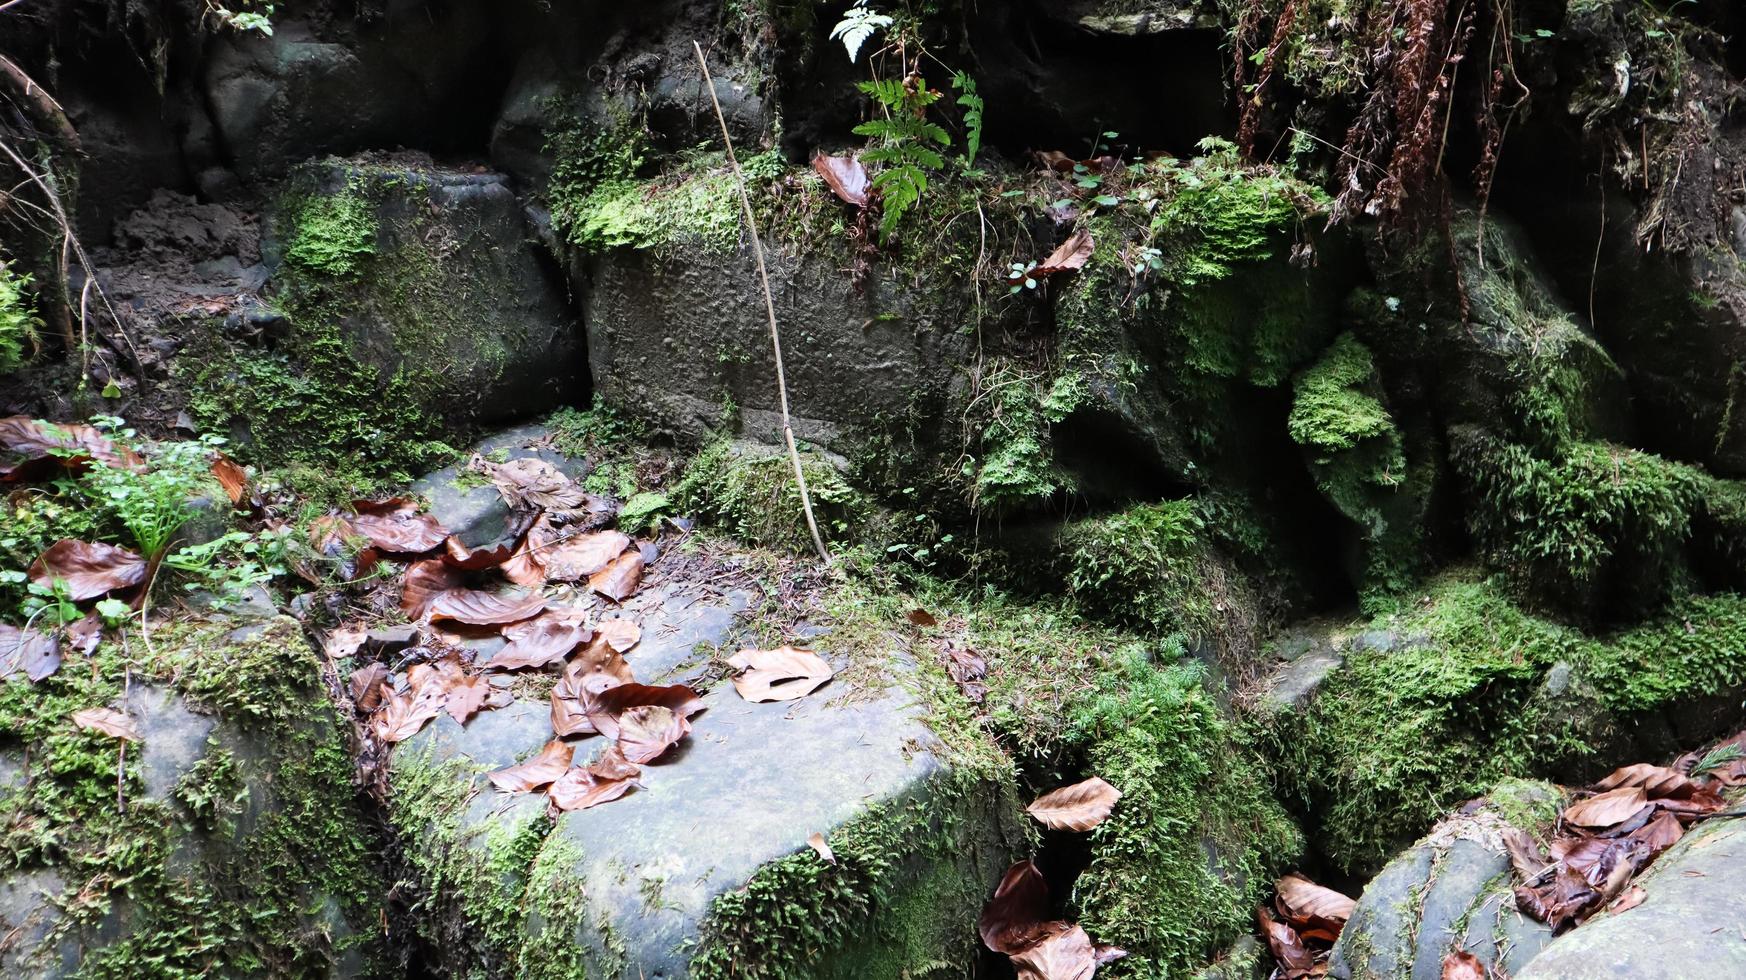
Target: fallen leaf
1288 949
816 841
231 476
1014 918
1658 835
531 482
82 636
523 568
1080 806
365 686
845 176
576 557
1304 899
537 642
402 716
620 634
1462 965
611 702
647 731
477 559
37 655
1063 954
465 697
613 765
344 641
619 580
1055 160
31 447
90 570
1070 255
1524 853
108 721
1657 782
541 770
579 789
423 582
783 674
396 526
475 608
1632 898
1606 809
921 617
597 668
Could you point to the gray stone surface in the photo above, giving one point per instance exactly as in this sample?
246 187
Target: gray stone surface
668 337
1311 652
472 509
173 737
1691 925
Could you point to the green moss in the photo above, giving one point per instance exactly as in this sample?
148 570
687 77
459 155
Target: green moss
1178 867
333 234
18 322
1593 525
692 209
749 492
1337 405
1144 567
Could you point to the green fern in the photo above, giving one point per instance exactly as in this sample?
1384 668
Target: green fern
903 146
973 106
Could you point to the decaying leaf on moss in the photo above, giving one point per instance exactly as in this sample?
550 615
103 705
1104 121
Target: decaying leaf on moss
1080 806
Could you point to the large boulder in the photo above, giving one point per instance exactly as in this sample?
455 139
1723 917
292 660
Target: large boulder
706 871
226 840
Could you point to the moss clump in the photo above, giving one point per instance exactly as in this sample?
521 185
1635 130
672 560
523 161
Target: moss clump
749 492
1595 527
695 209
1144 567
1017 463
164 888
333 234
1178 867
901 900
1358 458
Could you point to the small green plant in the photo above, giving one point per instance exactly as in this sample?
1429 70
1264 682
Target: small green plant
18 324
904 143
231 564
859 23
972 105
154 503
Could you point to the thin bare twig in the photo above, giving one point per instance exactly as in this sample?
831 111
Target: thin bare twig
769 308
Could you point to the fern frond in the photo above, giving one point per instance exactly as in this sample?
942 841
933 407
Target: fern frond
858 24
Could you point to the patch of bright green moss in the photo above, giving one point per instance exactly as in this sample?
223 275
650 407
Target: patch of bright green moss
1144 566
750 492
1178 867
333 234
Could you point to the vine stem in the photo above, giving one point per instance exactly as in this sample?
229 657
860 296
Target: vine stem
769 308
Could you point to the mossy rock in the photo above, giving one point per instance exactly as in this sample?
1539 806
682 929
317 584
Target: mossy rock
417 307
1450 891
228 841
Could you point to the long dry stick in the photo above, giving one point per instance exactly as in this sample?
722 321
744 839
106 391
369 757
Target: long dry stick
769 308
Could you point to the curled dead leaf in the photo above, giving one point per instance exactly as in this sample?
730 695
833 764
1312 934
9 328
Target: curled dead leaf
845 176
231 476
31 448
1304 899
1657 782
575 557
620 634
531 482
365 686
1462 965
783 674
402 716
1615 806
611 702
1294 959
1069 255
477 559
545 639
466 695
1080 806
476 608
647 731
542 770
108 721
1014 918
816 841
1632 898
619 580
1065 953
423 582
89 569
921 617
580 788
395 526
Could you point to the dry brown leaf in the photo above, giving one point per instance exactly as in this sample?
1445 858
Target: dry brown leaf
423 582
921 617
1615 806
783 674
366 686
1294 959
541 770
576 557
396 526
108 721
90 570
845 176
82 636
579 789
1658 782
231 476
1064 954
466 695
1632 898
647 731
30 448
1014 918
1462 965
37 655
595 669
619 580
1070 255
1080 806
344 641
1524 853
620 634
1658 835
816 841
402 716
523 568
608 703
531 482
537 642
475 608
476 559
1304 899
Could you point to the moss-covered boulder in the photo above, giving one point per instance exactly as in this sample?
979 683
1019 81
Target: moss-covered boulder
228 840
706 870
417 306
1450 891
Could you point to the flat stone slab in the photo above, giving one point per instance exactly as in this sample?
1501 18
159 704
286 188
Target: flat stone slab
1689 927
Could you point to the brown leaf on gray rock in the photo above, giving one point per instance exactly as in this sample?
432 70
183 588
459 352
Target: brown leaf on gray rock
90 570
530 482
366 686
476 608
402 716
620 634
575 557
619 580
1080 806
545 639
647 731
611 702
579 789
1614 806
466 695
423 582
1462 965
108 721
477 559
783 674
542 770
1301 898
231 476
395 526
